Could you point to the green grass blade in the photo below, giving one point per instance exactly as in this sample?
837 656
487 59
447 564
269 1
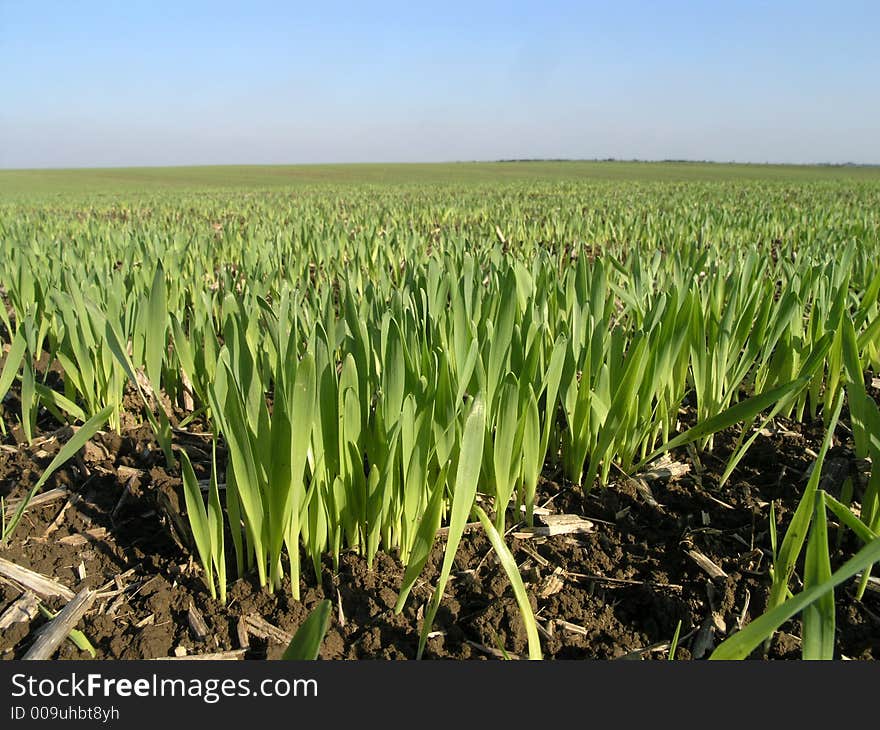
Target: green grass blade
198 520
424 540
54 400
742 412
465 491
65 453
79 639
845 515
14 358
744 642
306 642
161 427
673 645
215 526
156 327
817 640
28 400
796 534
508 562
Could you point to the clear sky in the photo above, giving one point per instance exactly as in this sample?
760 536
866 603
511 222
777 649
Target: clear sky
164 83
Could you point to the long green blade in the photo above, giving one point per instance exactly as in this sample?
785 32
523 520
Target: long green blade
817 641
306 642
65 453
466 478
744 642
508 562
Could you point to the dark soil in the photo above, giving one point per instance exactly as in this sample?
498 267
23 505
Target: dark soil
617 592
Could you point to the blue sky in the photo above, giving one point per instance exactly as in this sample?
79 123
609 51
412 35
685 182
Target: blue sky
162 83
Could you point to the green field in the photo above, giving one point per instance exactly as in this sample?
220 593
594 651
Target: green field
382 350
111 181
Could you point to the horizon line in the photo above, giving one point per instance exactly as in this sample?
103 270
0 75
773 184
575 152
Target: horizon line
505 160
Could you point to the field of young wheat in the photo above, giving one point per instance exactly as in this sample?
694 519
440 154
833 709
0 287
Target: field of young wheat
558 410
